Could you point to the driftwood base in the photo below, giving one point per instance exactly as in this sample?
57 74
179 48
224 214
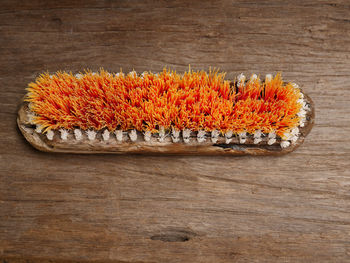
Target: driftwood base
40 142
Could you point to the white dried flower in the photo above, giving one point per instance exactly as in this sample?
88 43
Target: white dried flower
268 78
296 86
175 135
38 129
303 104
91 135
272 135
161 134
133 135
133 73
257 140
147 136
295 131
105 135
241 79
253 77
302 113
285 144
257 134
144 74
186 133
215 135
294 139
64 134
287 136
50 135
228 136
271 141
242 137
78 134
119 135
201 136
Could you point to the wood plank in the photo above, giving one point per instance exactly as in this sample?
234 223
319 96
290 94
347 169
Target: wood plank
68 208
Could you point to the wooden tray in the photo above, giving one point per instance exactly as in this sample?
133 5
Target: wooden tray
40 141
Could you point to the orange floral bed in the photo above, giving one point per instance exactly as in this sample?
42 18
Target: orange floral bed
147 102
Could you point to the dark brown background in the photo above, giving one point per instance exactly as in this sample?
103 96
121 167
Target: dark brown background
294 208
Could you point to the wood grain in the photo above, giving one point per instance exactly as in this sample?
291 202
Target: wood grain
68 208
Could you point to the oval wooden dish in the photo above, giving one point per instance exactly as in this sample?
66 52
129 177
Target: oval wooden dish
156 146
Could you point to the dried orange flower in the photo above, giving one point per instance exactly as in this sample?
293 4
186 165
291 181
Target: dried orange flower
193 100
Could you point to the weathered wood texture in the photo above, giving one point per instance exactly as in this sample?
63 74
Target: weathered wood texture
294 208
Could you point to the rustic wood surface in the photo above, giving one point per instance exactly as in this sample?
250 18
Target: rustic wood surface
67 208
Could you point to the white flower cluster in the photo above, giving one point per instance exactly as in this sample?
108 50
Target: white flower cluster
91 135
175 135
215 135
78 134
271 138
228 137
186 134
268 77
253 77
38 129
133 135
201 136
257 137
241 79
64 134
293 135
242 137
119 135
50 135
119 74
161 134
133 73
105 135
290 137
147 136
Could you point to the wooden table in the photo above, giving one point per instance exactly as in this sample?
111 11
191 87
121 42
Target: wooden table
63 207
